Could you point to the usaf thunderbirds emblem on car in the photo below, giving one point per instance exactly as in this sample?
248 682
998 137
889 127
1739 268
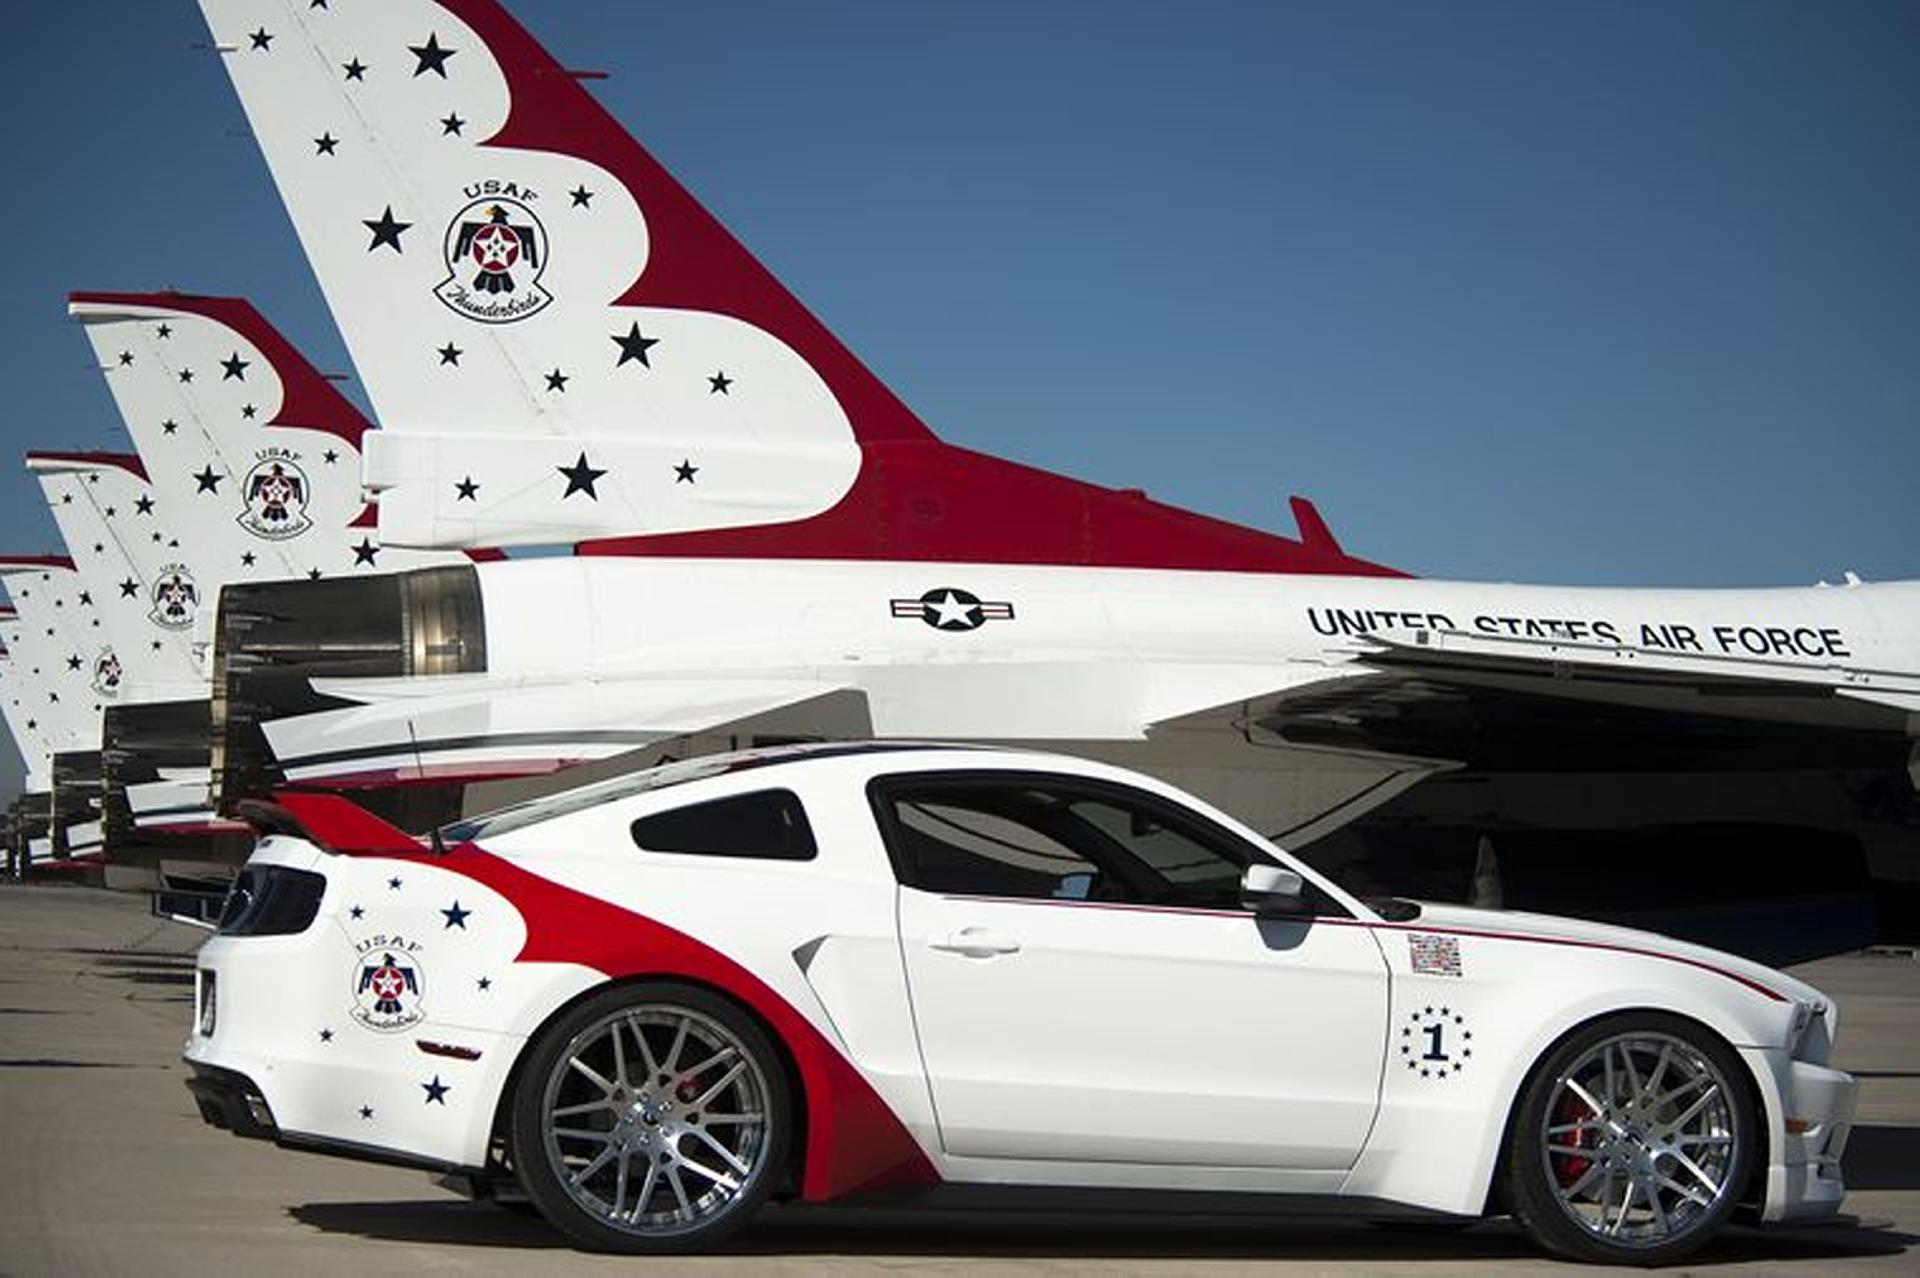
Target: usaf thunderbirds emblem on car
496 251
946 608
388 984
276 492
106 673
175 598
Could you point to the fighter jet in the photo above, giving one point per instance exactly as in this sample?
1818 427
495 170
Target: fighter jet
771 543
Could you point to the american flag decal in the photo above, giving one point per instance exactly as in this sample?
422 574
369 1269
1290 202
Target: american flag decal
1434 955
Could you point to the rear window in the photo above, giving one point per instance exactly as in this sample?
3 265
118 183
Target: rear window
767 824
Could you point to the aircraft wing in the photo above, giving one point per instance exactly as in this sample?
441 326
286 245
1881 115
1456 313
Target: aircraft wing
1498 702
467 728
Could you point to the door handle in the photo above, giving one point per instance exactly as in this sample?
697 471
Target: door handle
975 942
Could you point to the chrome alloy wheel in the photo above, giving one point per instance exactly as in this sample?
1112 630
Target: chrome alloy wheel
1639 1139
654 1120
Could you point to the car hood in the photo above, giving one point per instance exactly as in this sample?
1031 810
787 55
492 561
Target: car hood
1552 927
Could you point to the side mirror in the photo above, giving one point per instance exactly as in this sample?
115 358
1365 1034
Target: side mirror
1269 889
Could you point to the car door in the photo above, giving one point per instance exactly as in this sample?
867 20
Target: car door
1086 987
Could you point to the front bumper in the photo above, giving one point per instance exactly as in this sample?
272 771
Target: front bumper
1804 1180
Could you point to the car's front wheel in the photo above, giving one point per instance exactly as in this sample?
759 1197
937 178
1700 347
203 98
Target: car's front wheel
653 1117
1632 1142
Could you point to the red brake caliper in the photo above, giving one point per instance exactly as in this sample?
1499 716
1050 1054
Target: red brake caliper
1571 1109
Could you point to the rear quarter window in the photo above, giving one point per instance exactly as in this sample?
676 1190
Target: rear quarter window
768 825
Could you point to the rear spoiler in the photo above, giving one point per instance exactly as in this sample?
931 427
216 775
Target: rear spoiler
330 822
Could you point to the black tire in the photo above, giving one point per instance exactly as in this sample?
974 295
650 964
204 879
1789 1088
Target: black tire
1653 1176
655 1120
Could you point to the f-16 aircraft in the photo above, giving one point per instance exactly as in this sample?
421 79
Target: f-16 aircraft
562 345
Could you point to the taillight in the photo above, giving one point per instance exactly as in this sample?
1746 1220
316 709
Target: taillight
271 900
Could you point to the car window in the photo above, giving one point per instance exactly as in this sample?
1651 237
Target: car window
767 824
1017 836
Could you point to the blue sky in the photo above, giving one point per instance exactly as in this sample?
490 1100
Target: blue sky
1588 293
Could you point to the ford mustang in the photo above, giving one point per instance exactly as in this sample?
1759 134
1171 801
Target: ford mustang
883 972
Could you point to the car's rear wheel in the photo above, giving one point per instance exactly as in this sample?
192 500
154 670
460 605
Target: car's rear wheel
1633 1140
652 1117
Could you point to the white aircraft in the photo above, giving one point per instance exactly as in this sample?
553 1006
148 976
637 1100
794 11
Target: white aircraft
253 460
561 344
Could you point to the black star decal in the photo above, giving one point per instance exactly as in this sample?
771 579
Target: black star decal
156 536
719 383
331 456
165 331
110 512
235 367
126 357
364 552
186 374
385 230
557 381
261 39
393 884
169 426
156 645
451 125
248 411
93 479
437 1091
317 4
66 499
313 574
450 354
129 588
54 696
98 547
684 472
326 1036
324 144
86 598
432 57
366 1111
246 560
485 982
73 663
456 917
582 197
32 724
468 489
208 481
356 69
634 346
355 912
580 477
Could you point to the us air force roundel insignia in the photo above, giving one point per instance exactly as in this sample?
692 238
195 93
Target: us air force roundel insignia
175 598
496 251
276 493
106 673
946 608
389 984
1435 1042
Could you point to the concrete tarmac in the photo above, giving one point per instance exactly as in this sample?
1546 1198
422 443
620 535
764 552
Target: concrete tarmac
106 1168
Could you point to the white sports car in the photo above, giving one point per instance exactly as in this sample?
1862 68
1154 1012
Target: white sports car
844 971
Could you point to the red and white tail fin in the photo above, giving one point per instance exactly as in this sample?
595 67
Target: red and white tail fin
51 705
526 292
562 344
252 456
138 591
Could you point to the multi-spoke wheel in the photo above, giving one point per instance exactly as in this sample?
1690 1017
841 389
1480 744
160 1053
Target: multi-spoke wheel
651 1118
1633 1141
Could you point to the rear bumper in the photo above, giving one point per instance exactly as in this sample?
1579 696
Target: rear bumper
231 1101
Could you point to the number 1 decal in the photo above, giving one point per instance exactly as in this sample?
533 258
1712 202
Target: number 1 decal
1435 1042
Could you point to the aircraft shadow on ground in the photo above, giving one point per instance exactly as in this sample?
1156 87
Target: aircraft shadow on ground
802 1231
